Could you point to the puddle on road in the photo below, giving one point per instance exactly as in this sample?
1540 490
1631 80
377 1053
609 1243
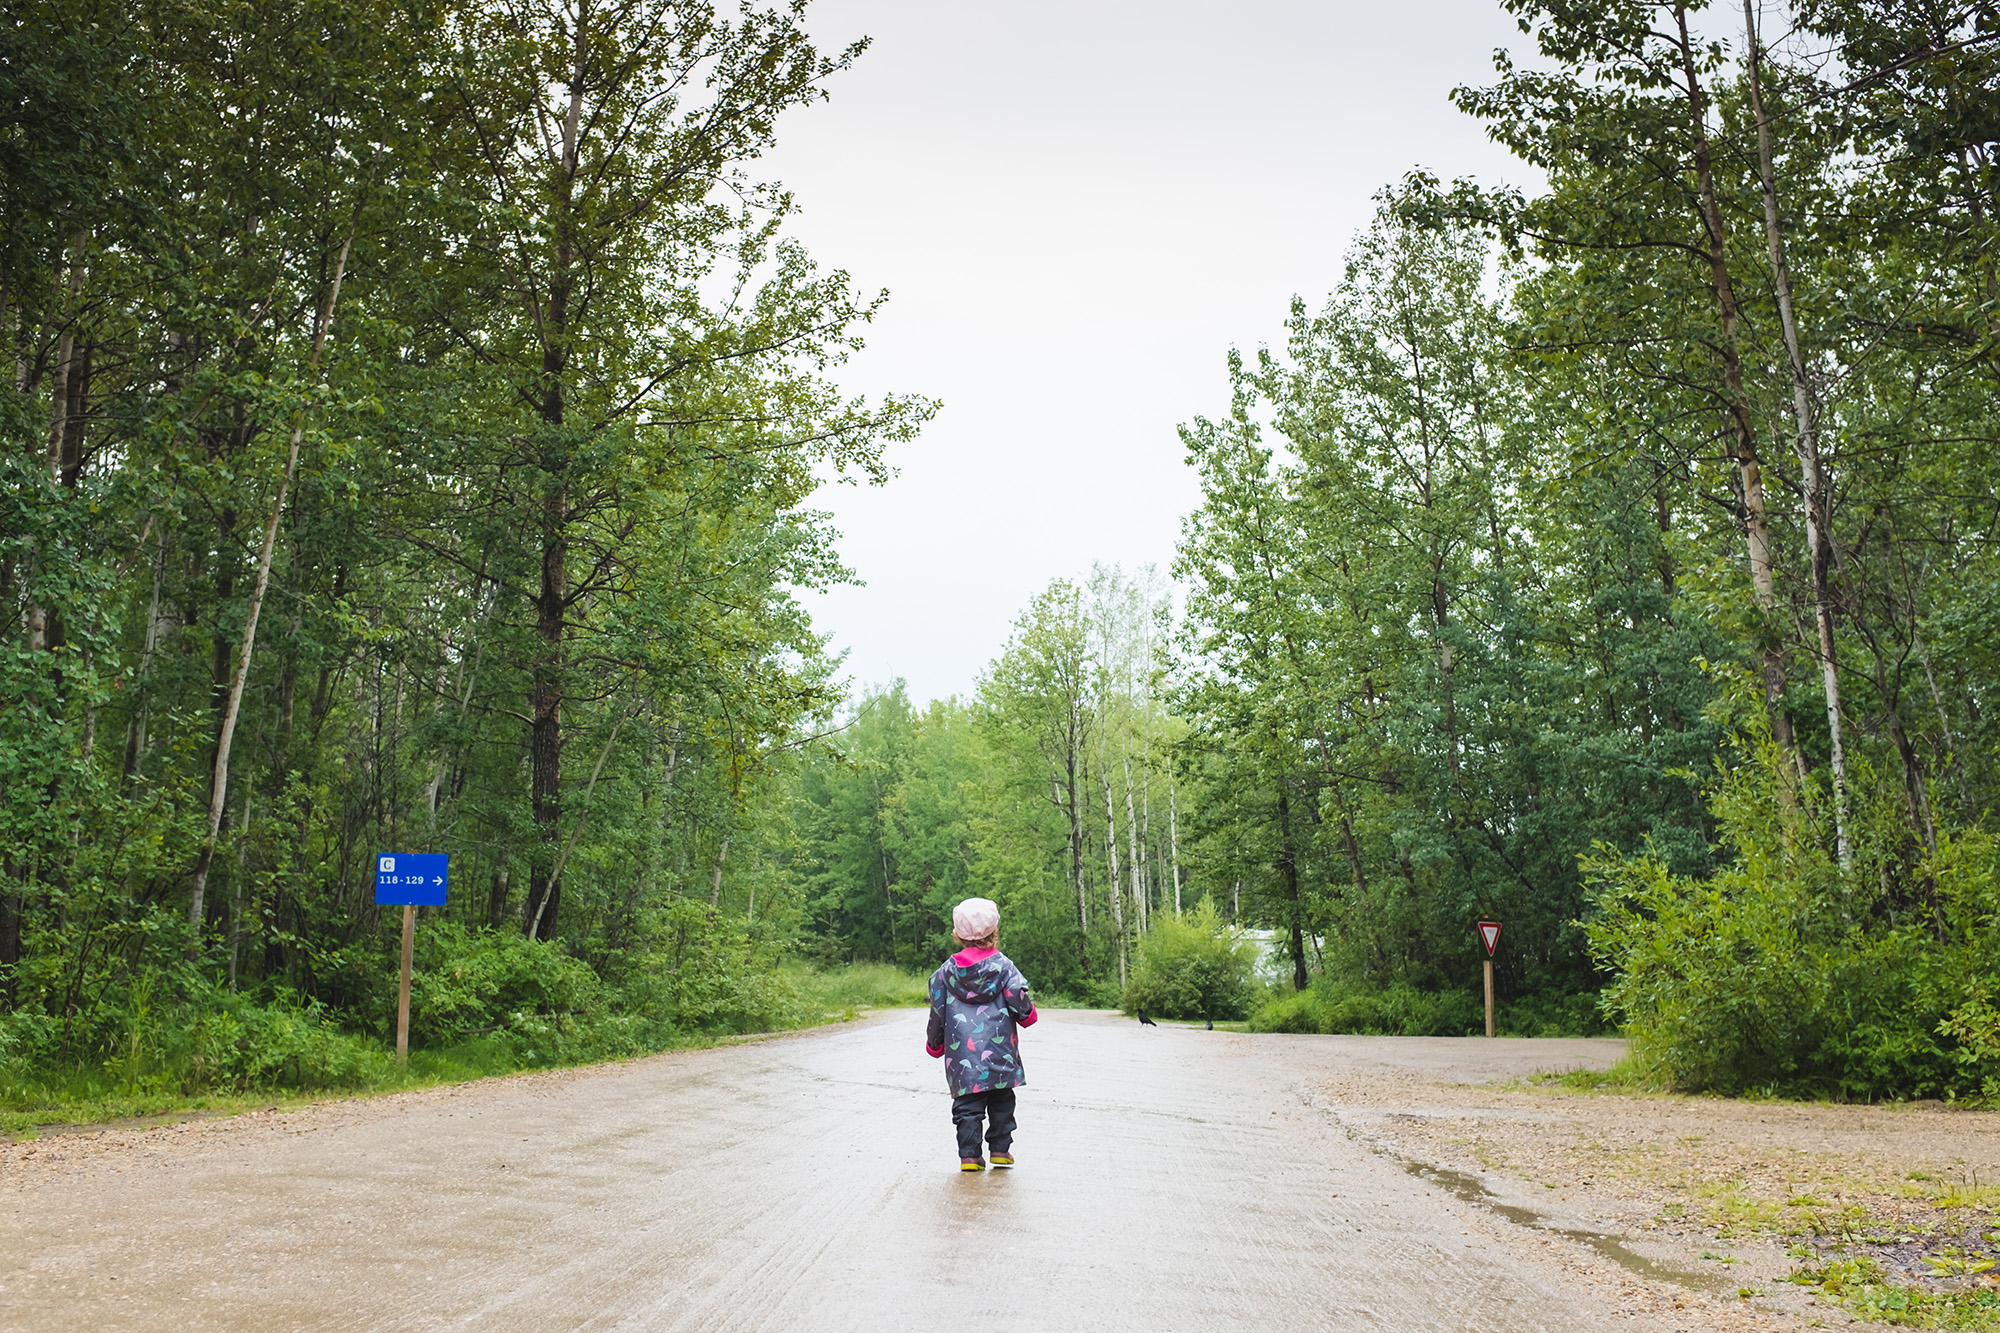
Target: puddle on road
1473 1190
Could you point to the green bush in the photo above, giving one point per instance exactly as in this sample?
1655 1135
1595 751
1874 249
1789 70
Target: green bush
1787 972
1294 1011
702 973
1194 965
470 982
1400 1010
1574 1014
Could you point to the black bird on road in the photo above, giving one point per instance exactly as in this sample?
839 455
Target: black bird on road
1211 1025
1147 1021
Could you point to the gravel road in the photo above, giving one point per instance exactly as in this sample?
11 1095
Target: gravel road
1170 1179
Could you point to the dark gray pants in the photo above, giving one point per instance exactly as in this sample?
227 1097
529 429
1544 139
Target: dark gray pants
996 1108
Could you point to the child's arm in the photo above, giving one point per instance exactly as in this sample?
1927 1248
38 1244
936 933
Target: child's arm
934 1030
1020 1004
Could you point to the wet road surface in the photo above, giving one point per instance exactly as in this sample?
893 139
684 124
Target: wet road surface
1170 1179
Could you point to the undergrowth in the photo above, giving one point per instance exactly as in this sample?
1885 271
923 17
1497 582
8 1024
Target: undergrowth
481 1005
856 986
1404 1010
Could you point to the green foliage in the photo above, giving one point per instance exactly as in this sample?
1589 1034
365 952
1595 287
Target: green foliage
855 986
1428 663
1192 965
1863 1288
1039 793
534 430
1786 972
1399 1010
469 983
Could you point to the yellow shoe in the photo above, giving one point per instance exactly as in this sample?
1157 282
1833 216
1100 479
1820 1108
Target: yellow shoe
1003 1159
974 1164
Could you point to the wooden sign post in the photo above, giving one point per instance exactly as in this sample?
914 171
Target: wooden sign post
410 949
1489 931
413 879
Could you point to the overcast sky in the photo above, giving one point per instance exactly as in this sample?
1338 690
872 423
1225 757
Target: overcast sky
1078 208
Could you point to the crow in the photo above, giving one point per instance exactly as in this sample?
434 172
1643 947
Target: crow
1147 1021
1211 1025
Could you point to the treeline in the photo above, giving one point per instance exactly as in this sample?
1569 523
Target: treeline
1049 790
1619 561
410 419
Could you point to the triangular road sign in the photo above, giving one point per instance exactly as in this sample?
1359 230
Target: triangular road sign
1490 932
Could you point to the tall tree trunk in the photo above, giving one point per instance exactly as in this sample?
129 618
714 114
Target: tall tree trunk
12 903
1174 837
1132 843
545 737
1805 411
1075 811
69 275
496 898
1353 857
1288 864
551 600
715 885
1756 526
135 726
1117 890
219 778
1440 608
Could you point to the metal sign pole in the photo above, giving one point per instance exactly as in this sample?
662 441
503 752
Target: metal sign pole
410 944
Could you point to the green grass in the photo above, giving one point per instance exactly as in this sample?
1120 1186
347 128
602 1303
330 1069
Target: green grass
1621 1077
856 986
1864 1289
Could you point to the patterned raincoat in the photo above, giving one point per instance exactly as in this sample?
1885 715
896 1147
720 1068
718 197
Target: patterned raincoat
978 999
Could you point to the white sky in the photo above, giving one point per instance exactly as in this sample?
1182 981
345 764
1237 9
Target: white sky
1078 208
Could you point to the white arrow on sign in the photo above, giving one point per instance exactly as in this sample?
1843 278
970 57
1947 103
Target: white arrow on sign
438 880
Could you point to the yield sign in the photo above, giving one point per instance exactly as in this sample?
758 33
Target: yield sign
1490 932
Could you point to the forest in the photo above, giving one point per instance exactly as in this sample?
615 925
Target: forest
414 422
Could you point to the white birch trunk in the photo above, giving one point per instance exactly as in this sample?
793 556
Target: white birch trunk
219 779
1132 841
1117 893
1805 411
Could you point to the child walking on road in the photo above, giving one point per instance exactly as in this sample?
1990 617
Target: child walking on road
979 1000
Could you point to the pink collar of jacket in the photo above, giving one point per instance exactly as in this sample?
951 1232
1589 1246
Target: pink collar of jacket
967 957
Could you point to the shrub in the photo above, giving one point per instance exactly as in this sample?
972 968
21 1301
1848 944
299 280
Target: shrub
1400 1010
470 982
1194 965
1785 971
703 974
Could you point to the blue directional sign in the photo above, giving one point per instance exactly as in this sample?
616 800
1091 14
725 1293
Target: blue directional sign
411 877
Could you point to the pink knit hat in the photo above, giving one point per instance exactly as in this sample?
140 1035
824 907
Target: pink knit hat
975 918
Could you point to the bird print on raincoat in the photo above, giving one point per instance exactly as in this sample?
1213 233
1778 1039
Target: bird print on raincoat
978 999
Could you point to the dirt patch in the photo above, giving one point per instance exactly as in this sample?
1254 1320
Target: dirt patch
1741 1195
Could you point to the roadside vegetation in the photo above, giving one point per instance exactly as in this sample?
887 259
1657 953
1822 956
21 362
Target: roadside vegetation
1615 560
486 1005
